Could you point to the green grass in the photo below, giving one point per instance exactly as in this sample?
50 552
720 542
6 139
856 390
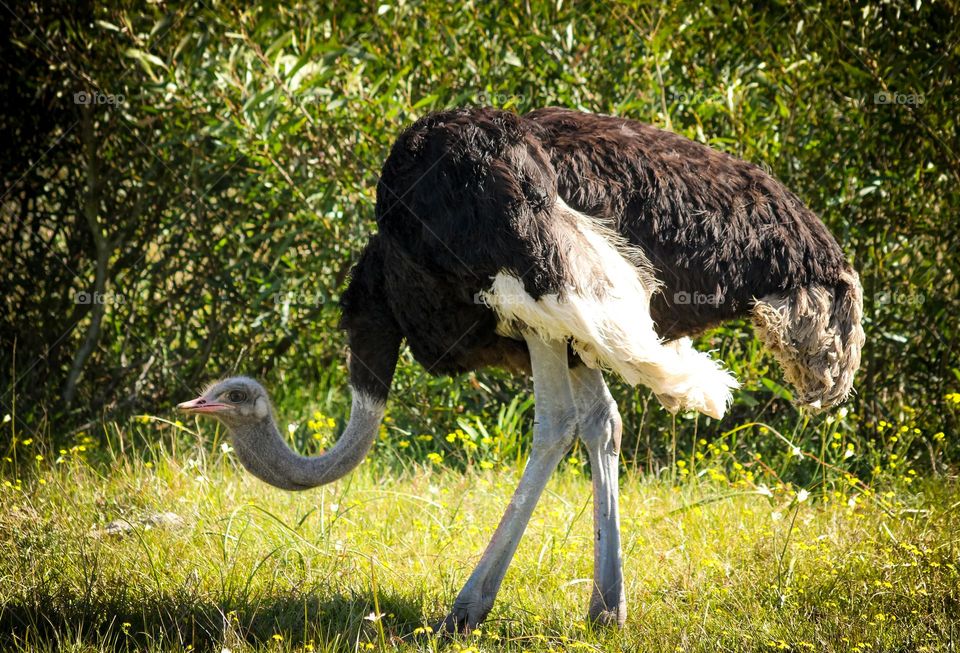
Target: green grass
370 562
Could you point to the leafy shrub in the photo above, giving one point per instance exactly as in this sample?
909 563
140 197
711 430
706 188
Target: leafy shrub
188 185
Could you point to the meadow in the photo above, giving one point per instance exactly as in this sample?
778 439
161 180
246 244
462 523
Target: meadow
150 536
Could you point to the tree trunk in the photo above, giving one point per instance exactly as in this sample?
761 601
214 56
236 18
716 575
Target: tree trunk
97 295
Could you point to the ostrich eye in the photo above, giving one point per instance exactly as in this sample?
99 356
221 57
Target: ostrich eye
236 397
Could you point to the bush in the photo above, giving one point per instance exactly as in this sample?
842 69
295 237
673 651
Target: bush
188 185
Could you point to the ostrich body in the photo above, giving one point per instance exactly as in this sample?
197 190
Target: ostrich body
563 244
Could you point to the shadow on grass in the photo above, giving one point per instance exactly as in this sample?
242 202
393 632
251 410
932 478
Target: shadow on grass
124 622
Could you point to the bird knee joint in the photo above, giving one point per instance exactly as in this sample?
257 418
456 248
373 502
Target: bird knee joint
602 427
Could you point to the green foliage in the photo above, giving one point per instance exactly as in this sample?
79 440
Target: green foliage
218 183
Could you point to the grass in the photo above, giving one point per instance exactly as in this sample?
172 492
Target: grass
371 562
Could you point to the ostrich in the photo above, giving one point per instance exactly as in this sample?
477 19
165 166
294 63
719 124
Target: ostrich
566 244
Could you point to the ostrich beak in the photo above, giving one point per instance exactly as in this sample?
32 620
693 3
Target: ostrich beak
201 405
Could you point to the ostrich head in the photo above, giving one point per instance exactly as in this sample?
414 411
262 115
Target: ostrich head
233 401
243 406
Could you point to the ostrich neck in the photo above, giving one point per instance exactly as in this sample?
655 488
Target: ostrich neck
266 455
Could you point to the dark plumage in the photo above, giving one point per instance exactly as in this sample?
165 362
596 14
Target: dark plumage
468 193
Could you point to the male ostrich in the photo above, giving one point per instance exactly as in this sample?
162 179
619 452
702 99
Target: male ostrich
566 244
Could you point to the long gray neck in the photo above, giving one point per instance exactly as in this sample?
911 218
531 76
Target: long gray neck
267 456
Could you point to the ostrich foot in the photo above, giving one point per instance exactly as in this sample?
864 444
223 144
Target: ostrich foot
600 616
465 616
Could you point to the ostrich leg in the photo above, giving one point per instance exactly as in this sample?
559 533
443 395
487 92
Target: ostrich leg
600 427
553 433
